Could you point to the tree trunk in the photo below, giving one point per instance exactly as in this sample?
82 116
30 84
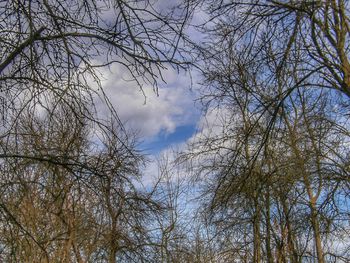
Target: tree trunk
268 228
256 233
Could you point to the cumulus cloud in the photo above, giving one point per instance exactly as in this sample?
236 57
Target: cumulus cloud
143 109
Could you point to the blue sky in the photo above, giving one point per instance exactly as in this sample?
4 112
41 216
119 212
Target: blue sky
165 140
162 120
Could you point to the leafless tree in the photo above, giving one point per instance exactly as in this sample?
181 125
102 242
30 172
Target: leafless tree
69 198
51 51
69 179
318 30
257 193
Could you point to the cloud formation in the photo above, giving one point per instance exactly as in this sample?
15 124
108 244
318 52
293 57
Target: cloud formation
144 111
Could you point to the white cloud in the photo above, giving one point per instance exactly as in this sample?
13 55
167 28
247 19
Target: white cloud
144 111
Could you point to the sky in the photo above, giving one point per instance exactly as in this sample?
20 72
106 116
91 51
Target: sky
160 120
163 120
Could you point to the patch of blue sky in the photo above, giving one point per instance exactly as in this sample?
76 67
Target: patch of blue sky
165 140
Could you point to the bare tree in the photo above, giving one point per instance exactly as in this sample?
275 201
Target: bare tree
252 182
69 179
51 51
69 198
318 30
